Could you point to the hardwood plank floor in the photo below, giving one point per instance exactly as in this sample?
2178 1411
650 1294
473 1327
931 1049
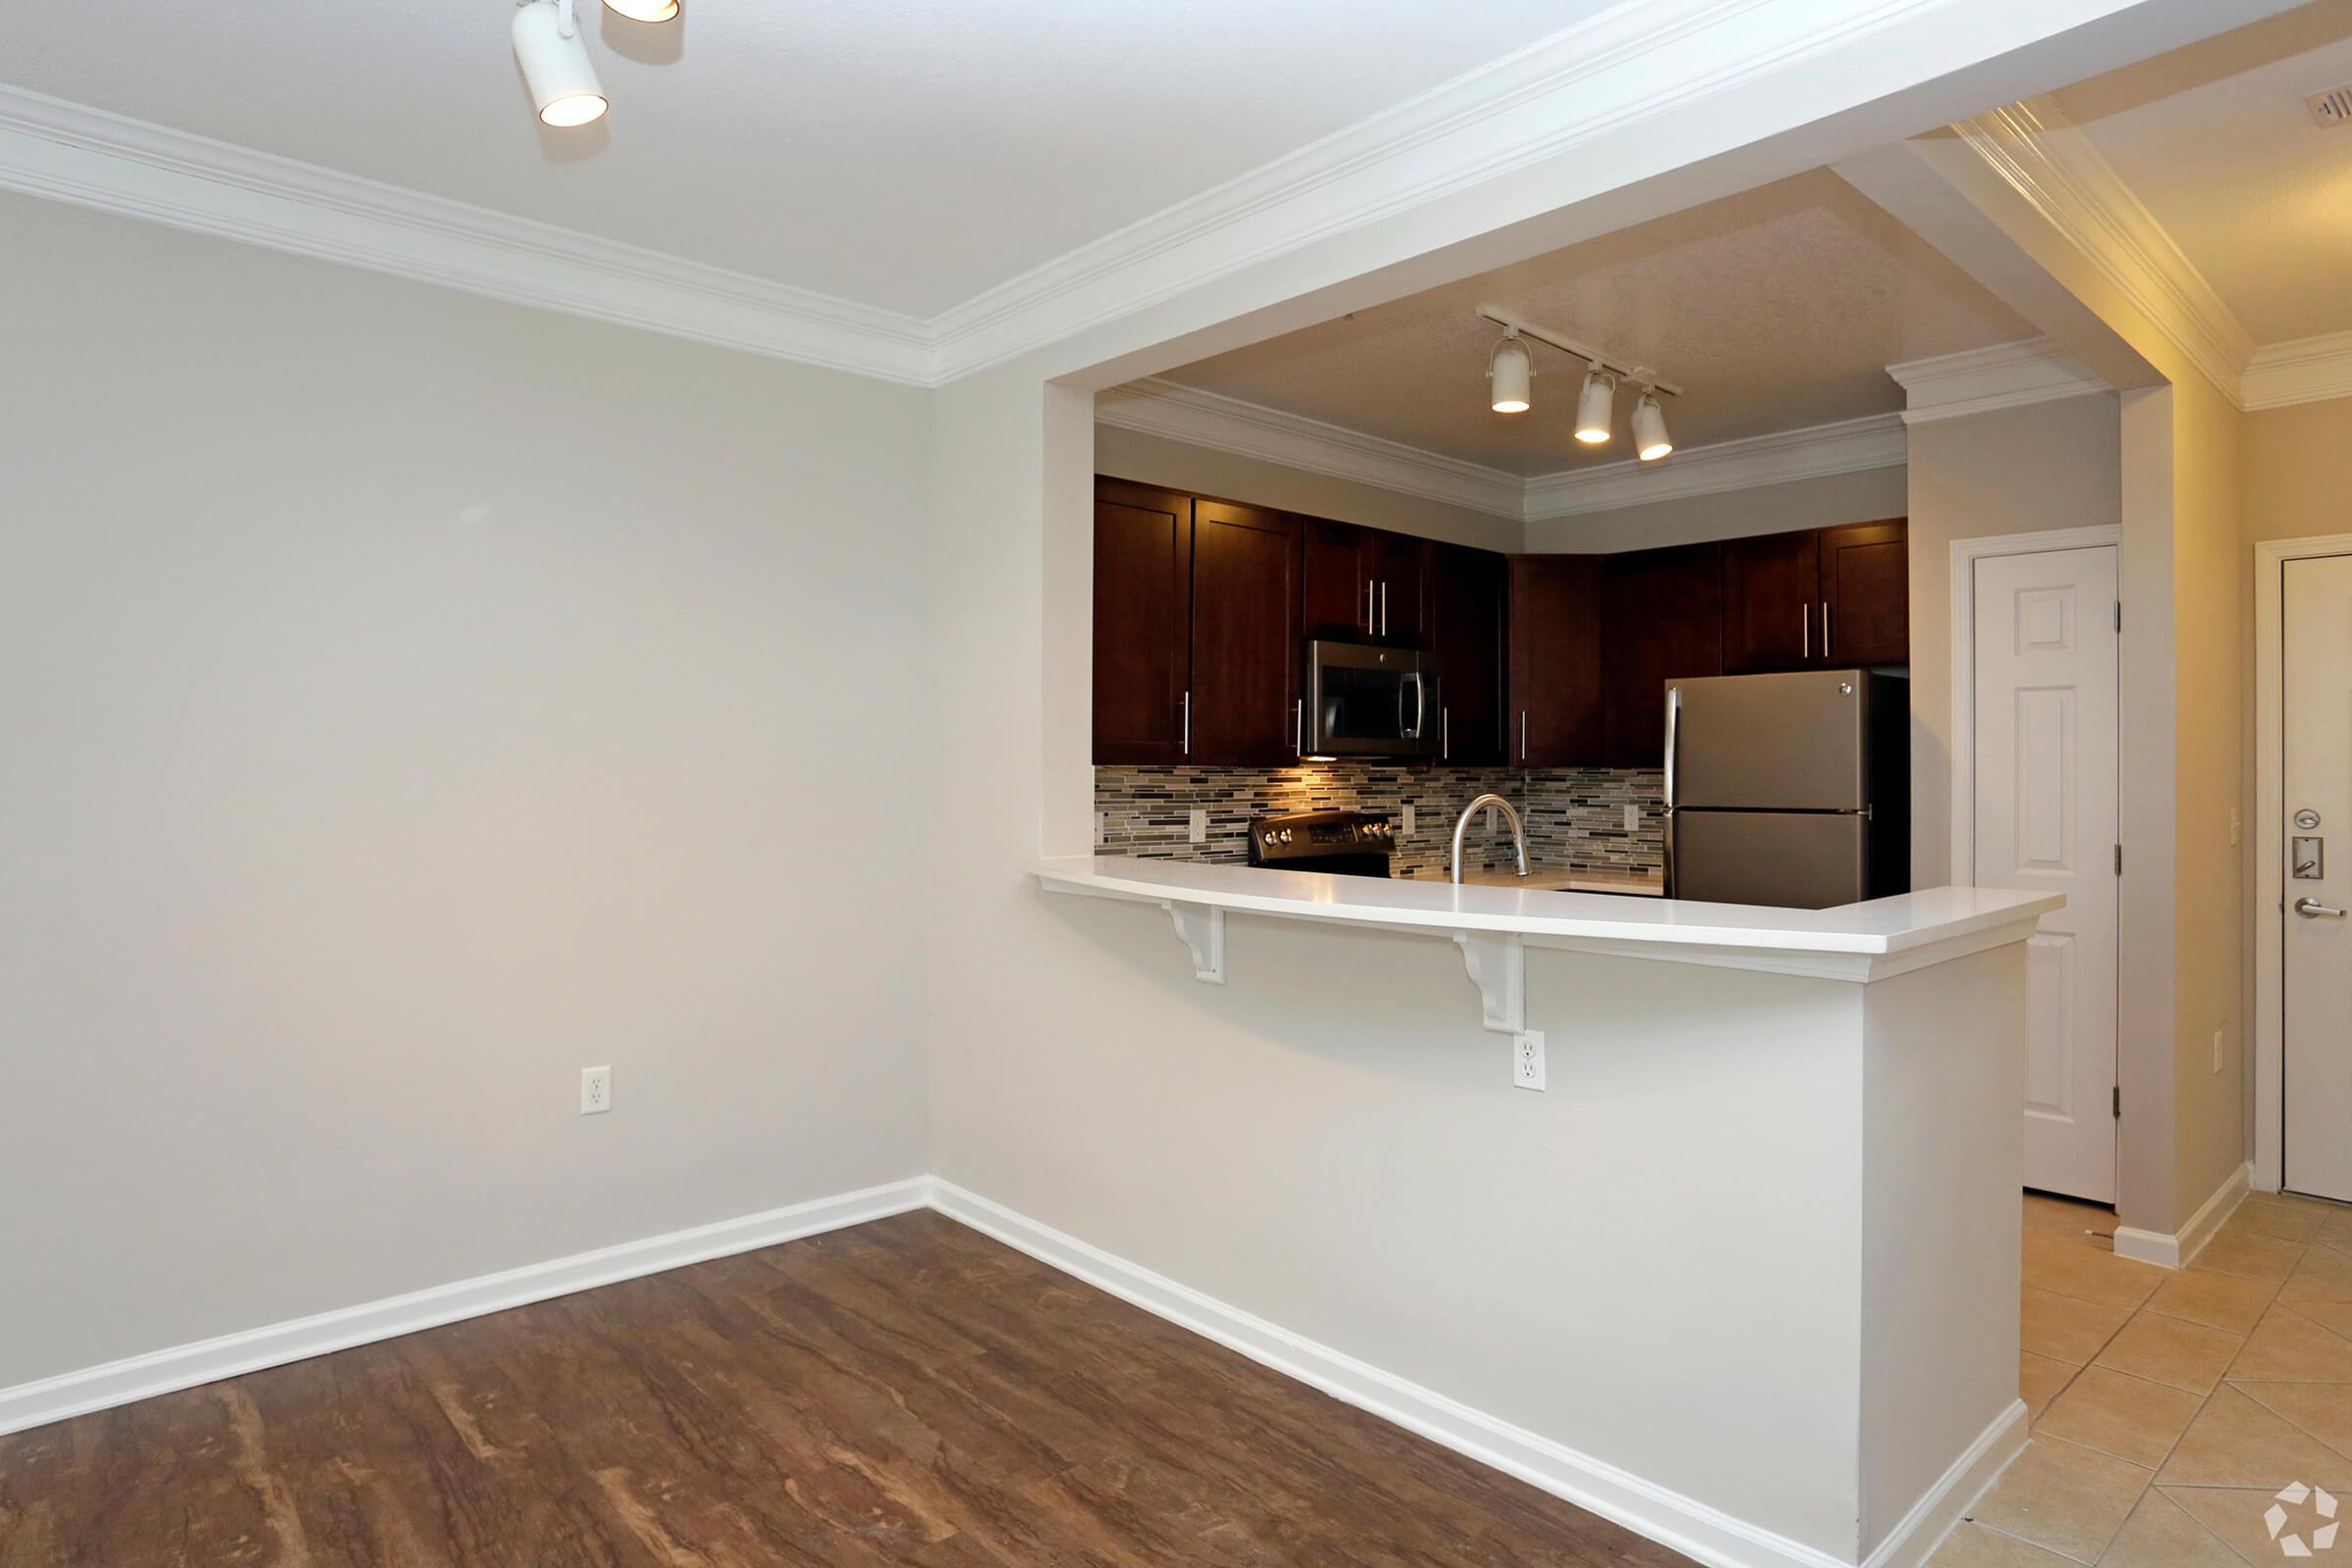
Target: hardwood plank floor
907 1392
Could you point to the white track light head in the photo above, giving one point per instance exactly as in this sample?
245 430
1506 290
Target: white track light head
643 9
1595 407
1651 439
1511 372
555 64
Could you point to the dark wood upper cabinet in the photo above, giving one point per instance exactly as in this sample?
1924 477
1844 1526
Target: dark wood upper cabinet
1769 603
1824 597
1468 591
1661 619
1365 585
1247 594
1142 622
1554 714
1866 594
1338 589
1399 567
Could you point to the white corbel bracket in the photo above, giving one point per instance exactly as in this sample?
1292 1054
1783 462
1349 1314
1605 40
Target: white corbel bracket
1497 965
1202 927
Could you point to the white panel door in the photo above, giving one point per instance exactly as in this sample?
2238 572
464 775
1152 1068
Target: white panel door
2315 778
2045 749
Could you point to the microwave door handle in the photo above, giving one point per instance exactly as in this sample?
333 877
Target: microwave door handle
1420 705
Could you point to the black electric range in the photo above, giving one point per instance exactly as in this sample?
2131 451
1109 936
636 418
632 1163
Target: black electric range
1338 843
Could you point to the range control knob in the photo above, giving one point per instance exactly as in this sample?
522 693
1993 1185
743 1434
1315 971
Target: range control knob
1286 835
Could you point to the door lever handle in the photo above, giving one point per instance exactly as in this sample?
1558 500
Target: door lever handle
2314 910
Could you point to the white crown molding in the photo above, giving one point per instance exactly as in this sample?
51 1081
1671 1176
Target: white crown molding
2052 164
1211 419
1655 63
2006 375
92 158
2305 370
1163 407
1816 452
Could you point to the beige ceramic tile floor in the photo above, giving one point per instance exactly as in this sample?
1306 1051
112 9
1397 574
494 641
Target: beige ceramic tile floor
2169 1408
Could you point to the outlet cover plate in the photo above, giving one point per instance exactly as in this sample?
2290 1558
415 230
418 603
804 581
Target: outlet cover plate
596 1091
1527 1059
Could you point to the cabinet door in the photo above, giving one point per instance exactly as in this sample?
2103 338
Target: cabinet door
1246 598
1338 603
1554 714
1397 567
1866 594
1661 621
1770 617
1466 599
1142 622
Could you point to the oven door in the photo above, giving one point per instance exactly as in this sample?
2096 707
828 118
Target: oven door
1370 702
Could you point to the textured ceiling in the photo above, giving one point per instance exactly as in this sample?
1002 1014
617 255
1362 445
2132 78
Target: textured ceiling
2216 142
1774 310
902 153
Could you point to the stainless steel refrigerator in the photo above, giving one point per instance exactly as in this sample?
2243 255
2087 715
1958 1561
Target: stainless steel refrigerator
1789 789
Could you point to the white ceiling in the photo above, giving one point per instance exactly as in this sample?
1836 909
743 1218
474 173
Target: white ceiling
1776 309
2216 143
906 154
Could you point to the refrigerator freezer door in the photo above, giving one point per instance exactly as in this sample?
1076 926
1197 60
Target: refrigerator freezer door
1790 743
1789 860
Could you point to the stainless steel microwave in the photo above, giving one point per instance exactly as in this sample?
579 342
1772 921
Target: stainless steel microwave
1364 701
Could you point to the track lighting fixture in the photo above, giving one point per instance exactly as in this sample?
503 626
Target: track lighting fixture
1596 406
555 64
1650 440
643 9
1511 371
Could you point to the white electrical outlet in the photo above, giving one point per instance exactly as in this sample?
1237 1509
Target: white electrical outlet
596 1091
1407 828
1200 825
1633 818
2217 1051
1101 828
1527 1059
1491 819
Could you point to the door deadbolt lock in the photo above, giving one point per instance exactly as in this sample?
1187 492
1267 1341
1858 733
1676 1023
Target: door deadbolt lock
2307 820
2310 859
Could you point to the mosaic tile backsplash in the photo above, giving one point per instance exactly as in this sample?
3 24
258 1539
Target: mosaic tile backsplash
1575 816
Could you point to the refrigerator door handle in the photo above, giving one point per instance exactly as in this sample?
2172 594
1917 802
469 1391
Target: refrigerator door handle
1674 714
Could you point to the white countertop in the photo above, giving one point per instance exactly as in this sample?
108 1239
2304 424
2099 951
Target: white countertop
1881 927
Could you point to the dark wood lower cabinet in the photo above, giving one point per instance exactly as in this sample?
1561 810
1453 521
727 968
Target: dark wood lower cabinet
1554 718
1661 621
1245 636
1142 622
1469 592
1866 594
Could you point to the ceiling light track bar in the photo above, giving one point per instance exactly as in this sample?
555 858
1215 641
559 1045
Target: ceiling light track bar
1623 369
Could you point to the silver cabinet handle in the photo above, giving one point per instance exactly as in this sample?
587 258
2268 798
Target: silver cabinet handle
1804 621
1825 628
1298 727
1523 734
2314 910
1384 609
1369 596
1188 723
1445 734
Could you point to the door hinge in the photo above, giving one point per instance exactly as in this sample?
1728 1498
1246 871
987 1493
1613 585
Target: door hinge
2118 615
2118 859
2119 1101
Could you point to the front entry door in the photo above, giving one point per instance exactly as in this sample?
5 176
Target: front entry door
2045 820
2316 781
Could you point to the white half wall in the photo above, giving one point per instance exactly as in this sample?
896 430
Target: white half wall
411 701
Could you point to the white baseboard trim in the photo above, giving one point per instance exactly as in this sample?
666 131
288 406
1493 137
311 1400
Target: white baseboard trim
140 1377
1932 1518
1686 1524
2182 1250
